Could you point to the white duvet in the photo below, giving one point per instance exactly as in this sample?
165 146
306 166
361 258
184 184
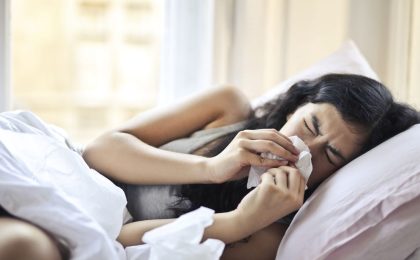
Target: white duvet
45 181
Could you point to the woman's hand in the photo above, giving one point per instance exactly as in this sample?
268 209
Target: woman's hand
280 193
244 151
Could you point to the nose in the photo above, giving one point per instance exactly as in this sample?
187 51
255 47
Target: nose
315 144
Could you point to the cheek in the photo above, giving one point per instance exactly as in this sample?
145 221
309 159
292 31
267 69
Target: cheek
322 169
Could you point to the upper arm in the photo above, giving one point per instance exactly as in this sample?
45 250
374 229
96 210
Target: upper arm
213 108
261 245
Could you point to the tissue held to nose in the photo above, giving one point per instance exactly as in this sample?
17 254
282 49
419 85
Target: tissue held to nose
304 163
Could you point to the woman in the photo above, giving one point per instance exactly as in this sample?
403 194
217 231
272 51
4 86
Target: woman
338 116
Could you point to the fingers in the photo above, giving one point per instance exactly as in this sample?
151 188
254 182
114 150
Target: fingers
288 177
302 185
294 179
270 135
263 146
256 160
284 184
267 178
281 180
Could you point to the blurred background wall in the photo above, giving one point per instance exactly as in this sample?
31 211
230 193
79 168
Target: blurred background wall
85 65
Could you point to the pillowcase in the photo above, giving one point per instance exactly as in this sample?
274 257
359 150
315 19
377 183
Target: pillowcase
367 210
347 59
370 205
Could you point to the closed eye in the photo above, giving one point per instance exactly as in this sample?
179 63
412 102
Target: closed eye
307 126
316 133
329 158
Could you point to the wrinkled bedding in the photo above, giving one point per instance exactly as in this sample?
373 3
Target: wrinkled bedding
44 180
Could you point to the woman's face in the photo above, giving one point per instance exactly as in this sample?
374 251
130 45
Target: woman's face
331 140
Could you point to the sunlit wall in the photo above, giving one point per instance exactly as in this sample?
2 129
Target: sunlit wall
85 65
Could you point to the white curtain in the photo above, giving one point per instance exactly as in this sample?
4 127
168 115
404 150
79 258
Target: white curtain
211 42
4 55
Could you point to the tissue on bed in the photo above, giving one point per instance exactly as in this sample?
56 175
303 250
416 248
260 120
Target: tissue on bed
180 240
304 163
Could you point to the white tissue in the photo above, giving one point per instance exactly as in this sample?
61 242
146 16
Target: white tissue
180 240
304 163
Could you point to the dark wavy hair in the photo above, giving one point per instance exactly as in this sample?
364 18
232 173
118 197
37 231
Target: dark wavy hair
361 101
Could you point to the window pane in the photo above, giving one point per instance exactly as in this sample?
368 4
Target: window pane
85 65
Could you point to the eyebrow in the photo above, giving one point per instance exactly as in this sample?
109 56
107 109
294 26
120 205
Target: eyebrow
335 151
315 122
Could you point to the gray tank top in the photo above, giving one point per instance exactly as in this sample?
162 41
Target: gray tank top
154 201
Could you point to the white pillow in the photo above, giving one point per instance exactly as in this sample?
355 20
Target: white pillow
347 59
367 210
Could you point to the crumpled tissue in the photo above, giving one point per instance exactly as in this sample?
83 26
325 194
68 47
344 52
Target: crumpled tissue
180 240
304 163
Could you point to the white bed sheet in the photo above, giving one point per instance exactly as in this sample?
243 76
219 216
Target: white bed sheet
45 181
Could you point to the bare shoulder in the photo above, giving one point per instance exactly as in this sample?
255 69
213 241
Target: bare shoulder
212 108
235 106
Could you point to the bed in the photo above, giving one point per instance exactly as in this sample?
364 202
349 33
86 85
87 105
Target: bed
367 210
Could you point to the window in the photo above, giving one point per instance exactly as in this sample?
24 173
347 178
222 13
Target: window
85 65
